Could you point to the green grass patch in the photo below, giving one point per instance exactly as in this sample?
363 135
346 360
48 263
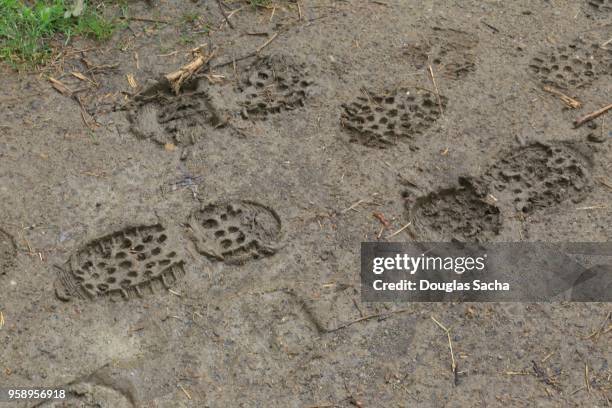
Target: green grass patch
27 30
260 3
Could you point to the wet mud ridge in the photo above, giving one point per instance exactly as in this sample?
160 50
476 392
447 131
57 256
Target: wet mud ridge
524 180
235 231
126 264
274 84
573 65
8 252
178 119
383 119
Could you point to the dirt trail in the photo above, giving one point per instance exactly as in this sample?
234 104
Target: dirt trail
208 242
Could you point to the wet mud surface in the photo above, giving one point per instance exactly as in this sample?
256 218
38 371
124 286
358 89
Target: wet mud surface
201 249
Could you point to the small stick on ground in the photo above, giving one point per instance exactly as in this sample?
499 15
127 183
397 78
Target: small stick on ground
1 320
593 207
184 391
549 355
85 114
264 45
587 118
596 333
587 383
399 230
578 390
357 307
145 20
450 346
569 101
517 373
433 80
175 293
227 20
60 87
233 60
369 317
252 54
177 78
605 182
352 207
234 12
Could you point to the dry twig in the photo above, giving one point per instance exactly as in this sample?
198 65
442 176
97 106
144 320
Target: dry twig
264 45
184 391
177 78
369 317
220 4
587 118
399 230
433 80
60 87
569 101
450 346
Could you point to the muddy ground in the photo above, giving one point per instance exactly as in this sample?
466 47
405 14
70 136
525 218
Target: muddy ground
203 249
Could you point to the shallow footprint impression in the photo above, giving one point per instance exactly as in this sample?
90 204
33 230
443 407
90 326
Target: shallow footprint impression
235 231
539 176
126 264
574 65
178 119
383 119
274 84
450 52
459 213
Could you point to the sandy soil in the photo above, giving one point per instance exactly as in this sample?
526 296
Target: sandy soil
203 249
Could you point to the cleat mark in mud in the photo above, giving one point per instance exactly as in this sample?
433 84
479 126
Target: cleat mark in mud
164 117
129 263
383 119
526 179
8 252
450 52
460 213
573 65
235 231
540 176
274 84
